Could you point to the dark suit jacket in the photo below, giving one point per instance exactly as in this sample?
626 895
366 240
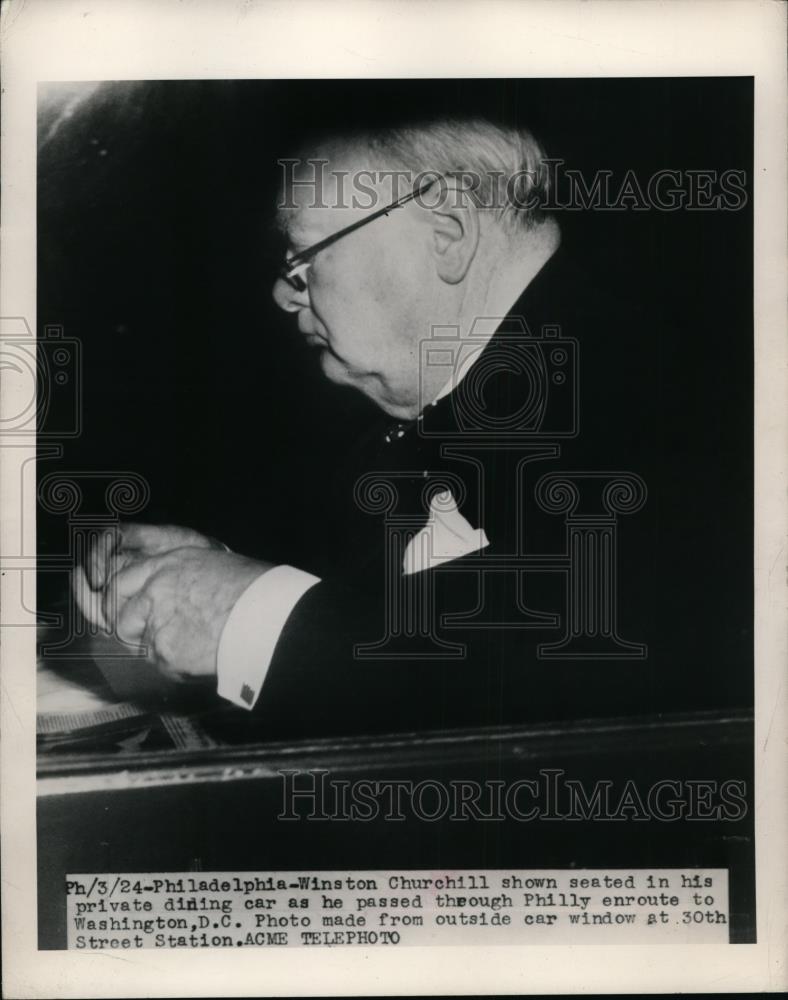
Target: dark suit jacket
370 650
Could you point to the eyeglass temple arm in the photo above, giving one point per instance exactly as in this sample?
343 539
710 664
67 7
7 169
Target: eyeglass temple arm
309 253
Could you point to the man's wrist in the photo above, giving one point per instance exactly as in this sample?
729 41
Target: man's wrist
252 630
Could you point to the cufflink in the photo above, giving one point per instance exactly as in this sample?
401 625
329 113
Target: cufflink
247 694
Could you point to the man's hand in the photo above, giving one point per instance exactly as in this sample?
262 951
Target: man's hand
177 605
173 599
127 543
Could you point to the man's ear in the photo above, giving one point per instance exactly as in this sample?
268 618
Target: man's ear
455 234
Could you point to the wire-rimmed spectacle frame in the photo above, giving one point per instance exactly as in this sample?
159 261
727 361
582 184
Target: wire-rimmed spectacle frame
295 267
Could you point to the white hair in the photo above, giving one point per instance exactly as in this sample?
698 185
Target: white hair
503 168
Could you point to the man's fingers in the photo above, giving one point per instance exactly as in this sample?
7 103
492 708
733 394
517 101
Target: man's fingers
89 601
133 619
121 560
124 585
153 539
119 546
147 537
96 564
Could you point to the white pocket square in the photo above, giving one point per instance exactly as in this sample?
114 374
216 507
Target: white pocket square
446 535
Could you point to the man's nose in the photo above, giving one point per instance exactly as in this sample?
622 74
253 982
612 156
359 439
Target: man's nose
289 298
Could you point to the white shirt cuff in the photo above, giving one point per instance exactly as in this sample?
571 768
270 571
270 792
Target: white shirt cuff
252 630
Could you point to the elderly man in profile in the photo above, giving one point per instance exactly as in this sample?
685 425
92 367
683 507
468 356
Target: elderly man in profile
466 249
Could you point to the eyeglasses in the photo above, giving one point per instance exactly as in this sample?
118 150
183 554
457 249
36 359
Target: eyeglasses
295 267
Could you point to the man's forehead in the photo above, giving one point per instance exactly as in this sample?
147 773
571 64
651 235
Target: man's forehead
330 188
307 224
309 192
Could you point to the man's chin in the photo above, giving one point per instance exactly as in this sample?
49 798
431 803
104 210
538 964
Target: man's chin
367 383
334 369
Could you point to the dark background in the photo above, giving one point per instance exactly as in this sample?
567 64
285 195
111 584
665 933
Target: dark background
155 251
